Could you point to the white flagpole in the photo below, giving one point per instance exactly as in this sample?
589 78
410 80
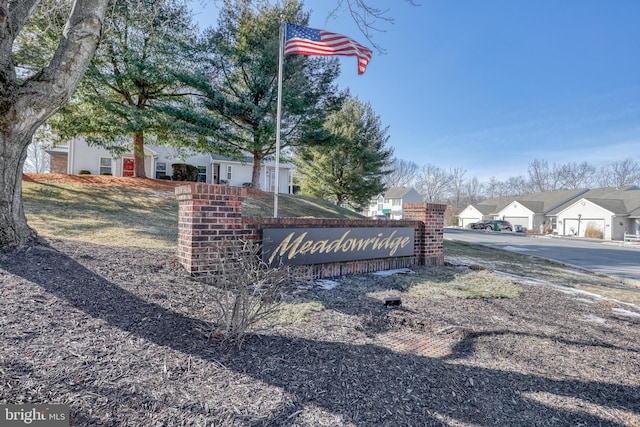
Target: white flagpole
278 118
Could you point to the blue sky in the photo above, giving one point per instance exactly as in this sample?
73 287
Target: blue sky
491 85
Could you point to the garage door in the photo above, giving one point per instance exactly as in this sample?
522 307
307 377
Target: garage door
590 227
518 220
464 222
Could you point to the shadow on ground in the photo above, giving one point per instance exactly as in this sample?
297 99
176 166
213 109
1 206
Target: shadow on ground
361 384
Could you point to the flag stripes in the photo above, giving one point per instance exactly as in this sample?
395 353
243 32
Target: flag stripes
310 41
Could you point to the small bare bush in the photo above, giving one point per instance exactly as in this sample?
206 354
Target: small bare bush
593 231
251 291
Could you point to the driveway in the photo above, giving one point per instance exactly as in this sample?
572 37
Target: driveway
604 257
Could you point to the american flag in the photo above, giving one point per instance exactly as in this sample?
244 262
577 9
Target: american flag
309 41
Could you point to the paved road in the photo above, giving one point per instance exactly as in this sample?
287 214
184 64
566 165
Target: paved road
609 258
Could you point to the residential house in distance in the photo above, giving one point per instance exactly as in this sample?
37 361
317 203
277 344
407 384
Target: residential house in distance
79 157
478 211
604 213
390 202
607 213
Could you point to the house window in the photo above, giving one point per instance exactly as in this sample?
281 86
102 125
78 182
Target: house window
161 170
228 172
105 166
396 202
202 174
380 207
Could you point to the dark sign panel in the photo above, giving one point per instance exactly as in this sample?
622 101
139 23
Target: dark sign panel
301 246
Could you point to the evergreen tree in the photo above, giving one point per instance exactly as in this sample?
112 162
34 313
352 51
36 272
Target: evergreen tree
143 47
348 165
238 83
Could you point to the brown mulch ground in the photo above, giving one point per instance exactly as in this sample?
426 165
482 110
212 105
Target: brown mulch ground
116 333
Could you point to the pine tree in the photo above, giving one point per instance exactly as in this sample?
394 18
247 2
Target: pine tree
238 83
144 46
347 166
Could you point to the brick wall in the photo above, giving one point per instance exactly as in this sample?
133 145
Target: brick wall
210 222
58 163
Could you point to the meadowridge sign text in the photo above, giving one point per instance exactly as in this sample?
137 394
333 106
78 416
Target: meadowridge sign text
301 246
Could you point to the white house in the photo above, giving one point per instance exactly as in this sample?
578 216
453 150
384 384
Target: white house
607 213
604 213
475 213
390 202
533 211
530 211
78 157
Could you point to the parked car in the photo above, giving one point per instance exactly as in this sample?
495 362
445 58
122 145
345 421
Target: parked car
492 224
480 225
519 228
380 217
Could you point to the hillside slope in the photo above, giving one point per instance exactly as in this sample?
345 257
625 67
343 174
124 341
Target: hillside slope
132 211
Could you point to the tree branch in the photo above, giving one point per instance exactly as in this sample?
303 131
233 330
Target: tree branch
19 10
366 17
55 84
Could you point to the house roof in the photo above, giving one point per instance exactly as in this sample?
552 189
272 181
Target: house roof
486 209
533 206
397 192
622 201
549 200
539 203
494 205
615 206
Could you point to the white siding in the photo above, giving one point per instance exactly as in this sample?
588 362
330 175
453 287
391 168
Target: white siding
575 219
84 157
516 213
468 216
171 156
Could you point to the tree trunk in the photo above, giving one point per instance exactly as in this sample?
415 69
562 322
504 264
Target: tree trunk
14 230
24 106
138 154
255 172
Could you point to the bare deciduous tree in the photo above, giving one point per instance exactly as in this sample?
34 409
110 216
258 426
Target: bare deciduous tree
457 184
493 188
473 190
403 173
577 175
619 174
517 186
544 177
433 183
366 16
37 158
539 174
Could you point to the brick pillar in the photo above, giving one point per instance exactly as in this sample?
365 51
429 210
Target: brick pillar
430 235
209 218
